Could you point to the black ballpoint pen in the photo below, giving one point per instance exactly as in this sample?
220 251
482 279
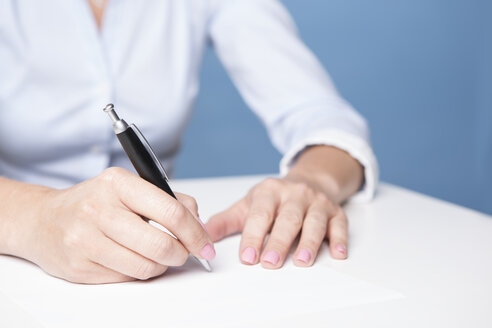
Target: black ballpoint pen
142 156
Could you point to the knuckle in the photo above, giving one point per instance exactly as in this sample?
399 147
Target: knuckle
253 236
292 218
317 215
174 212
319 219
256 228
74 237
323 198
89 207
145 270
259 216
161 247
177 219
326 203
268 183
303 189
112 174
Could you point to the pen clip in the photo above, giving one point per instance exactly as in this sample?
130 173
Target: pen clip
150 151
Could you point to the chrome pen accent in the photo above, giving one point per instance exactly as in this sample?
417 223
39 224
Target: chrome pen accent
118 124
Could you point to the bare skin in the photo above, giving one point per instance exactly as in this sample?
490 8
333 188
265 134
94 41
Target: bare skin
97 7
306 202
71 233
93 232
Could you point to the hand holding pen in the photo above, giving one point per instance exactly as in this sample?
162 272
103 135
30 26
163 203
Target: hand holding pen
93 232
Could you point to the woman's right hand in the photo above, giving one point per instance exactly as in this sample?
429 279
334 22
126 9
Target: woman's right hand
93 232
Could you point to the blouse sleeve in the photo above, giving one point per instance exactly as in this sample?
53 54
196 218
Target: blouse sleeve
286 86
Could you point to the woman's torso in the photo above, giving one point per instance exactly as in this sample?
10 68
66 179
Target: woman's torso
57 72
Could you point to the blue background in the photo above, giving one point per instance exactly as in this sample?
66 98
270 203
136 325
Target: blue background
420 71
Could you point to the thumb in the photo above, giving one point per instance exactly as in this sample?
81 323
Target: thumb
227 222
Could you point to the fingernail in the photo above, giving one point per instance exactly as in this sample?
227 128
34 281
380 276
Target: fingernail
249 255
271 257
341 248
304 255
208 252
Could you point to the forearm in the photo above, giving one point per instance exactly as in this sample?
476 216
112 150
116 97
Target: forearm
330 169
20 206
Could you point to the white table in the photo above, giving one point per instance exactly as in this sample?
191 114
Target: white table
437 255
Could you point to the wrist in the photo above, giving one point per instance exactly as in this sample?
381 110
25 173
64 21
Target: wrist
19 218
330 170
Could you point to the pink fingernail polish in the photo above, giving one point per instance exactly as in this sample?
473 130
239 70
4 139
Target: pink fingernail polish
249 255
304 255
271 257
208 252
341 248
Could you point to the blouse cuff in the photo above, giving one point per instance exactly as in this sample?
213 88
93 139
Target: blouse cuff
357 147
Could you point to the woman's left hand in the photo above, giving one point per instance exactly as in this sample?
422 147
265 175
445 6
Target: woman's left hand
287 208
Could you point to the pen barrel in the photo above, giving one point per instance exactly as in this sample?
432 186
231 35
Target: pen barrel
142 161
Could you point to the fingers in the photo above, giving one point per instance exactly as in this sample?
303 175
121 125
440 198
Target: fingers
338 235
263 205
292 209
286 228
314 231
227 222
149 201
192 206
130 231
189 202
120 259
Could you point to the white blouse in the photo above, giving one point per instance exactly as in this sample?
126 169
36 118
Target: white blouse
57 72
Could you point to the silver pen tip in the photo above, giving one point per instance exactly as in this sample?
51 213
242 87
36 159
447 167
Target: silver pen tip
205 264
